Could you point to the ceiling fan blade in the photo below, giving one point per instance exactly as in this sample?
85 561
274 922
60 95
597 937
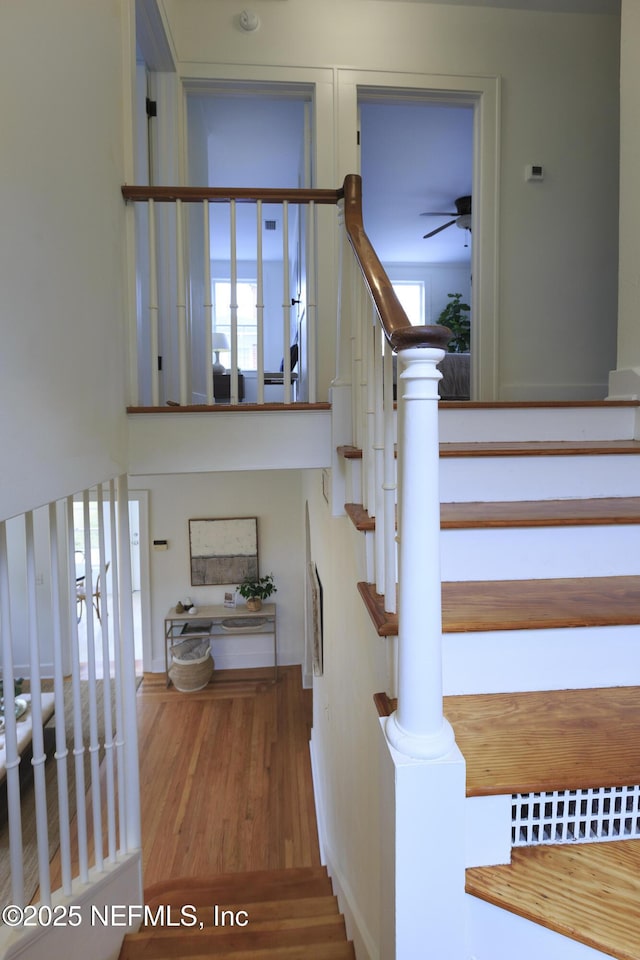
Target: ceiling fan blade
438 230
435 213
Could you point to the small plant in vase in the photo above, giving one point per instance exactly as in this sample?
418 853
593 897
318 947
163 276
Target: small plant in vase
256 589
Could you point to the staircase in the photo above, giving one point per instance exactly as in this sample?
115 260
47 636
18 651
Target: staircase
541 665
287 914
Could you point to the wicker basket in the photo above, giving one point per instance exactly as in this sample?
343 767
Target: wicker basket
191 665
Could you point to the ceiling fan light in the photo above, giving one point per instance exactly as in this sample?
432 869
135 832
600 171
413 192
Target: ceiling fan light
464 222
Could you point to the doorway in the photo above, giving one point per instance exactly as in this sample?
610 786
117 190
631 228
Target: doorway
245 135
416 159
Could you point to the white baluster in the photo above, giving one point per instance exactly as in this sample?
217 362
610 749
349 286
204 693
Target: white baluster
132 775
38 755
78 734
12 760
153 307
117 661
102 600
61 753
418 727
181 307
378 452
389 486
259 305
312 302
94 746
286 305
208 305
233 306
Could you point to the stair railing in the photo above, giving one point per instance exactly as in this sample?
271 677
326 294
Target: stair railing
48 634
379 326
218 234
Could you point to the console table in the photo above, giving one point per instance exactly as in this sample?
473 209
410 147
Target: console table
220 622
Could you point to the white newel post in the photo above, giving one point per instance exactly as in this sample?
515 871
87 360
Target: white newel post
418 727
422 770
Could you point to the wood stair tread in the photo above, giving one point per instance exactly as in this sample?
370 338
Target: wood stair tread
485 605
522 448
594 511
334 950
589 892
540 448
247 886
157 943
290 913
548 740
544 740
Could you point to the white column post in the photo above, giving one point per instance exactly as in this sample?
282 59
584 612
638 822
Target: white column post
418 727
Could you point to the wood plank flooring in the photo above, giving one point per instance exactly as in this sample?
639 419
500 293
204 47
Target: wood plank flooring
589 892
225 776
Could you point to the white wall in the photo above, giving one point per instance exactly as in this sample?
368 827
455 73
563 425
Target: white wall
274 497
628 327
63 100
345 738
557 285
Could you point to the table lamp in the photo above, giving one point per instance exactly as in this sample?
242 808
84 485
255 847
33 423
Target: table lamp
219 343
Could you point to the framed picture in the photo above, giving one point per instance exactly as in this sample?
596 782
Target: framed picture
315 615
223 551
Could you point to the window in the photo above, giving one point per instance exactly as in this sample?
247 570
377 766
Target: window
410 293
247 298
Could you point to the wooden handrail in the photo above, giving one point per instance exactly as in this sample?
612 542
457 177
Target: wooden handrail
221 194
395 323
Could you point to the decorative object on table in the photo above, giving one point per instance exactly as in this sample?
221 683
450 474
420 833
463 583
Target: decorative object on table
256 589
219 342
229 598
191 664
179 607
223 551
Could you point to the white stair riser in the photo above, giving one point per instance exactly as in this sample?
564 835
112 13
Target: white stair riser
509 661
497 934
530 553
543 423
538 478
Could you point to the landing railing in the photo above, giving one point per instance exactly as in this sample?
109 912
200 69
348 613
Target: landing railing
231 271
66 630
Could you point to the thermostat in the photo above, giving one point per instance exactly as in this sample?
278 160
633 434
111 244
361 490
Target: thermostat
533 171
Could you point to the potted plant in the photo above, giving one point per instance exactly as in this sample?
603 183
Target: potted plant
256 589
455 364
455 316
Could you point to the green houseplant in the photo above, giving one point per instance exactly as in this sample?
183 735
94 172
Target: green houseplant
455 316
256 589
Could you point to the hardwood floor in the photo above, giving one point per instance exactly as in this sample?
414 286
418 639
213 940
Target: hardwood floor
226 776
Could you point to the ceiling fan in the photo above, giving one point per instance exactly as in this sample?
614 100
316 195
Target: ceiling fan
462 217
